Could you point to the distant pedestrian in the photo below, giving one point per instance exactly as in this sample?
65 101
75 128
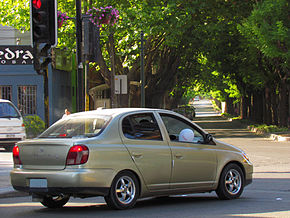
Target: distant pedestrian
66 113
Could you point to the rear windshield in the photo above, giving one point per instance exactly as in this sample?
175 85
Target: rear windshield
7 110
77 127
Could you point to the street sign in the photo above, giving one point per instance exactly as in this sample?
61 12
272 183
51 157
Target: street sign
121 86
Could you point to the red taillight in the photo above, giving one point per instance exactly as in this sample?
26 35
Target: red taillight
78 154
16 157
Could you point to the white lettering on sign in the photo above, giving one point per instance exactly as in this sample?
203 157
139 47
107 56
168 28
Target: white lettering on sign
13 55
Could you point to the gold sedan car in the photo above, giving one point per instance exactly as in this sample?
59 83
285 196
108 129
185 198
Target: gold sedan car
124 154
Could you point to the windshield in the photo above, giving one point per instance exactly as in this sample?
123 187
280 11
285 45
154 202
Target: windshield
7 110
76 127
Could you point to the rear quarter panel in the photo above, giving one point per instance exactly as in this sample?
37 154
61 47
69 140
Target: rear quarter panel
108 152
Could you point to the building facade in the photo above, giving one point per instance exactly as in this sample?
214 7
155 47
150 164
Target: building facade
22 85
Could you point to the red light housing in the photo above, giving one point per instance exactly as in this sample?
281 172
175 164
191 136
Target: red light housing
16 157
36 4
78 154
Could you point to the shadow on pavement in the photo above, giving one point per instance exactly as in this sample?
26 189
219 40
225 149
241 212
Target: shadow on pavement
221 127
276 201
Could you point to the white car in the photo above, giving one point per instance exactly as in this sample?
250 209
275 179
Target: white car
12 128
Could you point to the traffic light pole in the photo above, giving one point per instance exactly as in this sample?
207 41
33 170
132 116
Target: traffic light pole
142 75
80 79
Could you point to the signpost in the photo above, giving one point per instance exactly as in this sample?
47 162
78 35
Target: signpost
121 88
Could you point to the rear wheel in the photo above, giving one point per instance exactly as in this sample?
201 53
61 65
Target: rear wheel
231 183
55 201
124 191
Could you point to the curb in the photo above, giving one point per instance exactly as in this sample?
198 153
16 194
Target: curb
280 138
9 192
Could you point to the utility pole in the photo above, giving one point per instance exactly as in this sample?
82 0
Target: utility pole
112 57
142 76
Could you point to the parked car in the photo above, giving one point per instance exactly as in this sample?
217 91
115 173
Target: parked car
125 154
186 110
12 128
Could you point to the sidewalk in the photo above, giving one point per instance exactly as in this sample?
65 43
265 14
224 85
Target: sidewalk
9 192
206 112
6 190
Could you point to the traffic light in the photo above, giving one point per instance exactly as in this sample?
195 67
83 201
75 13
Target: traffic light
43 20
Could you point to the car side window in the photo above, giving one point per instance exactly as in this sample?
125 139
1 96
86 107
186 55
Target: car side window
180 130
141 126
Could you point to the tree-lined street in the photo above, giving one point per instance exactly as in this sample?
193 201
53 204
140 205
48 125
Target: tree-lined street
267 196
155 54
220 48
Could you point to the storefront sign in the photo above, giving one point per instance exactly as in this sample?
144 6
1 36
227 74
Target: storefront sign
16 55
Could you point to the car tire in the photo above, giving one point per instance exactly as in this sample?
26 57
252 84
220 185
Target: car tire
55 201
124 191
231 182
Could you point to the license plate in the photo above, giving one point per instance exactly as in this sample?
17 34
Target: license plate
10 136
38 183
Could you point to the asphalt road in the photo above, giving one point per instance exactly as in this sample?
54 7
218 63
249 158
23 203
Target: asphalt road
267 196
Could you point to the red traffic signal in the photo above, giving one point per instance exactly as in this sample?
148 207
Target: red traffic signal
43 21
36 3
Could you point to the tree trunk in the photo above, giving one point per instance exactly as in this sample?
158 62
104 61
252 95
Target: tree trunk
251 106
283 103
274 107
229 106
243 108
268 113
258 106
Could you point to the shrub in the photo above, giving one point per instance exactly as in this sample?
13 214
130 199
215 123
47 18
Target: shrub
270 129
34 125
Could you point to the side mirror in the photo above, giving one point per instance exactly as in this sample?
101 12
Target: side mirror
209 139
172 137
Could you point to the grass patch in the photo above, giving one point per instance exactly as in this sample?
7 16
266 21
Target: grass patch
269 128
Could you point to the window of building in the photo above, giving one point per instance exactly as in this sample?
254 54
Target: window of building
6 92
27 99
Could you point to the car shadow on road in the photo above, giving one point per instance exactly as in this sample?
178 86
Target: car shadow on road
206 205
264 196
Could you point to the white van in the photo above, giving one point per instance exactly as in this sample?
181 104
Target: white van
12 128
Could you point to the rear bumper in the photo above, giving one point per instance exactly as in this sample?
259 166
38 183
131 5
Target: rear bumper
11 139
75 182
73 191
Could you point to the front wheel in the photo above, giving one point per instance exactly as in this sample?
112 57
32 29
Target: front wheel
55 201
231 183
124 191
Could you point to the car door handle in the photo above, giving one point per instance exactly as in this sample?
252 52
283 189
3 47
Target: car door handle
178 156
137 155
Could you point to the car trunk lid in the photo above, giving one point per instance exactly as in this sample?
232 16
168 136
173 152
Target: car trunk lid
44 154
